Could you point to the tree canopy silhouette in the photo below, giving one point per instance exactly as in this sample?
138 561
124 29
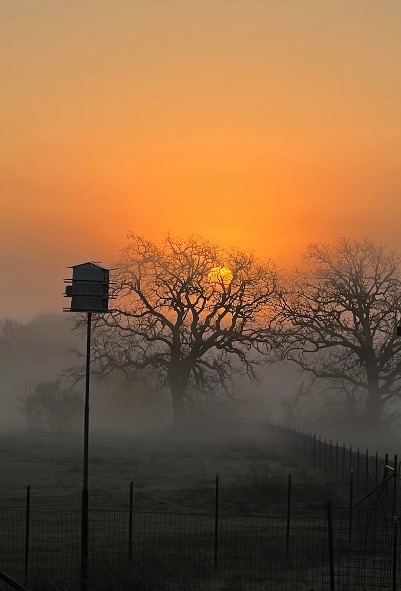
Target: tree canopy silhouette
342 314
189 311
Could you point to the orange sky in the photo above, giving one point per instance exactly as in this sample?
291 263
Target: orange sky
259 123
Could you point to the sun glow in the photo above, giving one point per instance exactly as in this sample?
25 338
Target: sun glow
220 275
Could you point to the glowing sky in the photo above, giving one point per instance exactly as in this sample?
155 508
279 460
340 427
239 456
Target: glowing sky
259 123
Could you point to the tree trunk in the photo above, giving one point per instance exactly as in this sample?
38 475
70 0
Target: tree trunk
374 408
178 377
178 408
374 405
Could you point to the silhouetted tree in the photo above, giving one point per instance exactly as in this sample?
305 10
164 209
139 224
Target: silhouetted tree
10 332
49 406
342 313
190 311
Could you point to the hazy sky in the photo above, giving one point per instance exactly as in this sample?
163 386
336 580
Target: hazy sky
260 123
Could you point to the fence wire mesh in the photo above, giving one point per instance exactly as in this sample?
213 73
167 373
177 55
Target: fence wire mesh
228 549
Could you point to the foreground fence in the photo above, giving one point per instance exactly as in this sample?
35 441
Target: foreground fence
339 535
325 548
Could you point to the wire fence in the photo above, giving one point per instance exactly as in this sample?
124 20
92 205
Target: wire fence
336 535
339 462
209 550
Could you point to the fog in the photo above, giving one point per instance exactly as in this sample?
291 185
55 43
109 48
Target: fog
44 349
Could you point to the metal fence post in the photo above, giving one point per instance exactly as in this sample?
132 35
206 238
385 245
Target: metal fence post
216 521
395 552
288 515
385 472
131 505
350 458
395 485
357 470
320 452
27 520
343 462
336 458
367 469
351 500
331 545
314 450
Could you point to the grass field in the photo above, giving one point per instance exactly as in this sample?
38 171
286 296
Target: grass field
173 521
54 466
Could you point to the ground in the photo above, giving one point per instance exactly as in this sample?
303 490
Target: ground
53 466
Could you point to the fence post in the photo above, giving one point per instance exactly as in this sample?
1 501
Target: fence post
395 484
366 469
351 500
331 457
350 458
343 462
216 521
308 446
357 472
27 520
131 505
320 452
395 552
336 458
376 468
385 472
331 546
325 456
287 547
314 450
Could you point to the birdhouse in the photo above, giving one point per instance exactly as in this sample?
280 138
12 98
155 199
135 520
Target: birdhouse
89 288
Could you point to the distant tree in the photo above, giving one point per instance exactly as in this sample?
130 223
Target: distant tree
10 332
189 311
49 406
341 315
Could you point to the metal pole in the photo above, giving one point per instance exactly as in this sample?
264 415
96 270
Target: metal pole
395 484
336 458
27 520
357 470
131 503
395 552
350 458
216 521
331 545
366 469
85 493
320 452
385 471
351 500
314 450
343 462
288 515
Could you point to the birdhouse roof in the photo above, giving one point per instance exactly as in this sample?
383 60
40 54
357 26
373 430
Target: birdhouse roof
89 264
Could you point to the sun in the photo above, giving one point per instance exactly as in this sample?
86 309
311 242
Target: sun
220 275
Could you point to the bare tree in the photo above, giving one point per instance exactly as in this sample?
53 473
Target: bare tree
10 331
190 311
342 314
49 406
